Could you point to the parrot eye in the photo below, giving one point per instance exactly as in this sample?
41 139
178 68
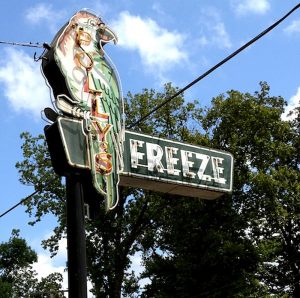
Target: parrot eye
102 27
92 22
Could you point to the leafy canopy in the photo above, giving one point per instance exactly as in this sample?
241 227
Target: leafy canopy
243 245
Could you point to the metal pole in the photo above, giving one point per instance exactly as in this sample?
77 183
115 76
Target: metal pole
77 271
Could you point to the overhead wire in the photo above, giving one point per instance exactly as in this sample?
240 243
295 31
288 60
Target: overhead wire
28 197
260 35
229 57
25 44
205 74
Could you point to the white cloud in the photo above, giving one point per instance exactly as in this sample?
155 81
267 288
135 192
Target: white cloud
214 32
47 265
44 13
294 27
39 13
137 267
221 36
243 7
156 6
203 41
292 104
23 83
158 48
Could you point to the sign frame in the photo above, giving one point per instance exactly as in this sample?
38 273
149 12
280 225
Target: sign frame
173 186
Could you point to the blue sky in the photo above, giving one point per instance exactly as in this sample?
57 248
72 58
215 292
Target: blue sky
159 41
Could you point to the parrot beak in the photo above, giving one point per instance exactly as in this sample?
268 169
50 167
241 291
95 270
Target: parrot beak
107 35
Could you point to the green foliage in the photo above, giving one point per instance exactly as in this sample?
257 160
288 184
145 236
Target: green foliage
17 279
243 245
36 170
266 179
15 254
200 251
5 289
250 127
279 214
176 120
50 285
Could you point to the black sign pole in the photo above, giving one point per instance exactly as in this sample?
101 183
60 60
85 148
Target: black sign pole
77 270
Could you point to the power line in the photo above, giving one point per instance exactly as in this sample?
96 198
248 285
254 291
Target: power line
256 38
28 197
216 66
25 44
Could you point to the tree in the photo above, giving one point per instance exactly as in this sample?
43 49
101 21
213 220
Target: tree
180 253
15 255
114 236
229 247
49 286
201 252
17 278
111 237
266 193
249 237
36 170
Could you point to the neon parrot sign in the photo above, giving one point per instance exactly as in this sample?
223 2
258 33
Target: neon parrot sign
86 89
88 133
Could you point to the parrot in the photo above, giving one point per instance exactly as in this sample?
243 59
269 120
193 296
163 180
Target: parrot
86 86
